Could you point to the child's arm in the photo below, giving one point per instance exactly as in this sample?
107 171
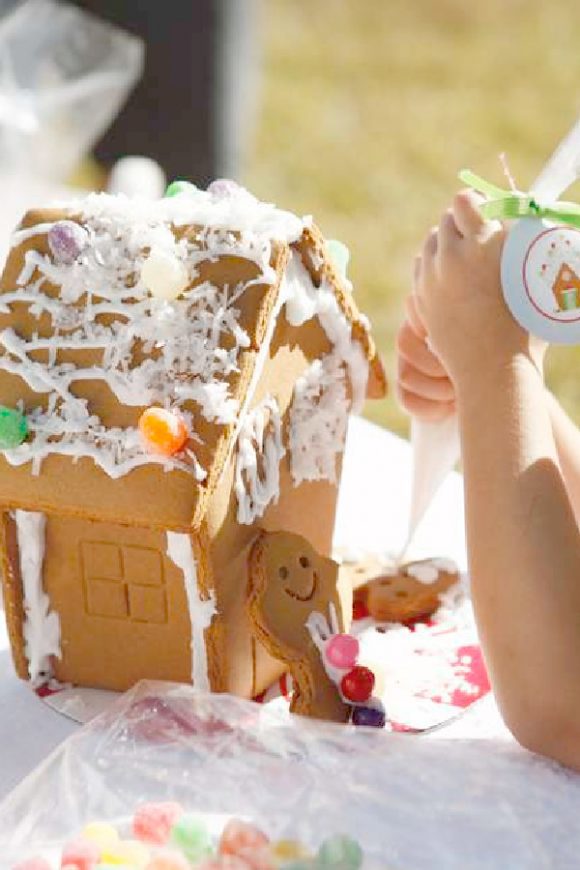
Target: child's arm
523 540
567 437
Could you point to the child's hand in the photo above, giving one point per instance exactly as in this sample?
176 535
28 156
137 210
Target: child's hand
460 299
423 387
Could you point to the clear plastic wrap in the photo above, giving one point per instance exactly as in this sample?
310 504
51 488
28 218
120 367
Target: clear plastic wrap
411 803
64 75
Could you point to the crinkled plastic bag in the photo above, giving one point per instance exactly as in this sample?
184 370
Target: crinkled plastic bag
412 803
64 75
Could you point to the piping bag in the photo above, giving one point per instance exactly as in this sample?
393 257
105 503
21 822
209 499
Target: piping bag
435 446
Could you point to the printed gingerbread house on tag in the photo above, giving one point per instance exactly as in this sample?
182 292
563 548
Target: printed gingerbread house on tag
176 378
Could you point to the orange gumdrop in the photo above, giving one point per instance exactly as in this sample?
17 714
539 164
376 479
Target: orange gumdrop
163 431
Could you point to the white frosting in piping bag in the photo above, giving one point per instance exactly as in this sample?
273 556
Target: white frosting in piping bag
41 625
201 613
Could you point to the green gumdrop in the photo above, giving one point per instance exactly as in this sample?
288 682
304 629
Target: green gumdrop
191 835
13 428
339 254
340 851
180 186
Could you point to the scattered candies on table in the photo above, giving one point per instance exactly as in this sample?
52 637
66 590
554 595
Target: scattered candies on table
66 240
163 431
164 274
13 428
167 838
152 822
191 835
340 851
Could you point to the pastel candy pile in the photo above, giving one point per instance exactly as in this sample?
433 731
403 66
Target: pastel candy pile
162 836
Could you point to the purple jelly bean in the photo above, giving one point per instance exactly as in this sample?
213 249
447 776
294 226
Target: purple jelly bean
224 187
66 240
372 715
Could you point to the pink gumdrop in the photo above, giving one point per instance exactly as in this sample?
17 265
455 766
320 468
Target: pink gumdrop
168 859
33 864
247 842
152 822
80 854
342 651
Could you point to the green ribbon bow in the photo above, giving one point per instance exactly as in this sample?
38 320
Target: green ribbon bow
508 204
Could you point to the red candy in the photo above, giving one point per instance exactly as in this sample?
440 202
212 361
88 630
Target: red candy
168 859
246 842
80 854
359 609
152 822
357 686
33 864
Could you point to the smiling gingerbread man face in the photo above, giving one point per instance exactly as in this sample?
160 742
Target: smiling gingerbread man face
288 581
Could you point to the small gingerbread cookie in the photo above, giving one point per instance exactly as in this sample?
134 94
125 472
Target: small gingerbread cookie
290 584
409 592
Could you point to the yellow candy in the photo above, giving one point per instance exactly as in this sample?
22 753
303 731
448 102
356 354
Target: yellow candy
104 835
288 850
127 852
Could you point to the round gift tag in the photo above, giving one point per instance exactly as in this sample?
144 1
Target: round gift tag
540 274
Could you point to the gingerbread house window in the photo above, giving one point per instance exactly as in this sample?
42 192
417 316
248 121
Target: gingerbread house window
123 582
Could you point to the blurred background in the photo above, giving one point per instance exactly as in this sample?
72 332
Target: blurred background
360 112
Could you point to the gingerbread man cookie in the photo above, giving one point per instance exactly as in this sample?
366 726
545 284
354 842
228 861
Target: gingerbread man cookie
288 583
409 592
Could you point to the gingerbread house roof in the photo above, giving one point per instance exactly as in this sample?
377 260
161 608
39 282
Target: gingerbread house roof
85 347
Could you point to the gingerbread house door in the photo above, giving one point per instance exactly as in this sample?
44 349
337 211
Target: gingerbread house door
121 603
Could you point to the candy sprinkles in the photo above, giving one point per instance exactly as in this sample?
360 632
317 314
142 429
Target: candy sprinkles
163 836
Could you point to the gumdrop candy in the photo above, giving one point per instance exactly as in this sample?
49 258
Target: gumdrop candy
179 186
342 651
66 240
371 715
13 428
340 851
163 431
357 686
223 187
359 610
104 835
245 841
152 822
288 850
33 864
190 834
80 854
163 274
339 254
130 852
168 859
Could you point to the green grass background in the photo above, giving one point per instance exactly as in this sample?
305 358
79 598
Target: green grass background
368 109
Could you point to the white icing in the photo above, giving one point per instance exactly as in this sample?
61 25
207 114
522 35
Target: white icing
260 449
201 612
424 572
318 420
182 340
446 565
320 408
41 625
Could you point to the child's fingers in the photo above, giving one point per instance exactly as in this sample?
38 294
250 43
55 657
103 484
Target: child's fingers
424 409
414 381
415 351
413 316
466 212
449 233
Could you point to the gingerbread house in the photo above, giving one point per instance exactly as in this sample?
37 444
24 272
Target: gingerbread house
122 561
566 288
